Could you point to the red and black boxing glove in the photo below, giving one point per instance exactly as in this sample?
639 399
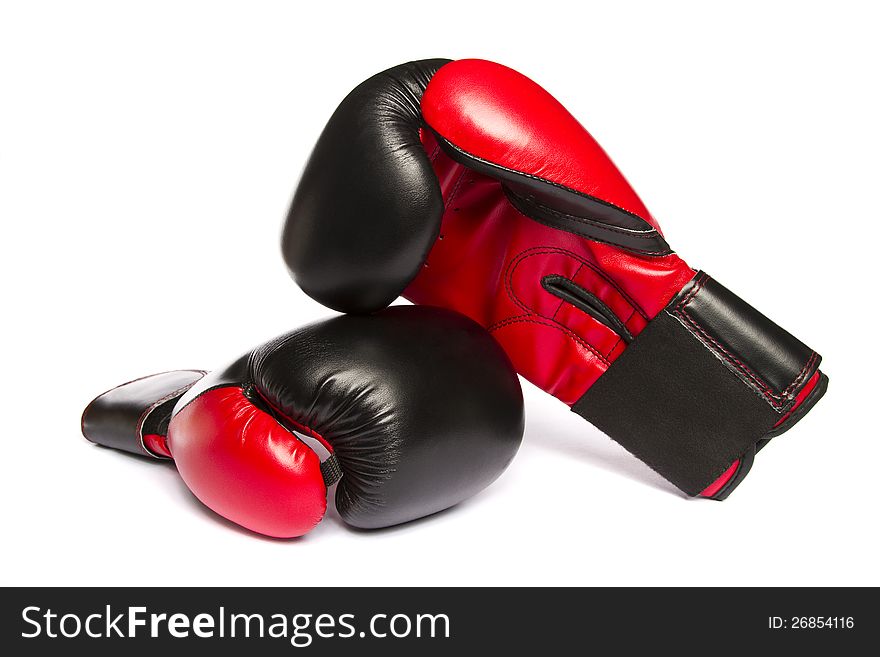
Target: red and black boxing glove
466 185
416 408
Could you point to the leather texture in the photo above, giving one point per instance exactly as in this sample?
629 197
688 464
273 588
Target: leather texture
121 418
767 358
380 122
668 375
565 208
528 197
240 462
419 407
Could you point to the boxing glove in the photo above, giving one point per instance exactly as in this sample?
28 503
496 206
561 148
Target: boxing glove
466 185
418 409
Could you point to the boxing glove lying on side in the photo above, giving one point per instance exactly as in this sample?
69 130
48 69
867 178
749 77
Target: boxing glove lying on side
418 408
466 185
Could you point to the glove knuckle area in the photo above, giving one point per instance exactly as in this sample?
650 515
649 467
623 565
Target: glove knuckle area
368 205
246 467
422 409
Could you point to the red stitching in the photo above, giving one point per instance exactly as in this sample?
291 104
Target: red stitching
562 301
559 327
547 250
806 368
620 337
508 285
766 390
698 285
456 188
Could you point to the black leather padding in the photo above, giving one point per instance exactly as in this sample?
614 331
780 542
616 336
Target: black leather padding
368 206
767 358
700 386
234 374
422 407
120 417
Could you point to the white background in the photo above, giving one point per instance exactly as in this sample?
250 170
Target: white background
148 152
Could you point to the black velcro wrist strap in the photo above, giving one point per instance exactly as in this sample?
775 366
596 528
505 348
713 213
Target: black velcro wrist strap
700 385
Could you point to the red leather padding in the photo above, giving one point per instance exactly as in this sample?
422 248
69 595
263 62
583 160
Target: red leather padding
245 466
488 264
490 259
500 115
156 444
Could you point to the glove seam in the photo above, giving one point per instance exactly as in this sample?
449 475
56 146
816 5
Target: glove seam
455 190
443 140
620 337
778 401
630 232
532 319
562 302
591 238
548 250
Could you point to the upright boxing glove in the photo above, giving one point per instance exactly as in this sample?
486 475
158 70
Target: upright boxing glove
466 185
417 407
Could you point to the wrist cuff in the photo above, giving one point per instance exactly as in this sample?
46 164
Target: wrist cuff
121 417
707 379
